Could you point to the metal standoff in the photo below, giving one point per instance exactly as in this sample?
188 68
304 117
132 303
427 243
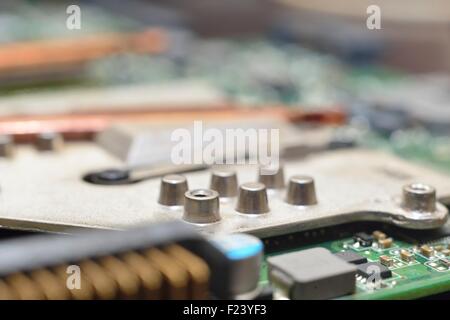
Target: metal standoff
273 178
172 190
301 191
419 197
201 206
252 198
225 183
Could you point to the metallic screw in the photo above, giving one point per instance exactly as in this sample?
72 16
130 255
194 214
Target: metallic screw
201 206
225 183
272 178
6 146
172 190
252 198
419 197
301 191
49 141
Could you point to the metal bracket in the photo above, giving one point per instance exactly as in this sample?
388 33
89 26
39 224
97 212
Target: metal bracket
46 191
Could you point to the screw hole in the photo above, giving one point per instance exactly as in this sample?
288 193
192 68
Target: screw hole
419 187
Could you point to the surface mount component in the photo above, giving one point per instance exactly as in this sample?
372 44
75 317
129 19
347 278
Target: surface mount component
386 261
385 243
50 193
363 239
427 251
378 235
351 257
312 274
374 269
407 256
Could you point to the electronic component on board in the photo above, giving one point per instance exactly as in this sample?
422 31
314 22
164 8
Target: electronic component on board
364 239
445 262
374 269
351 257
406 256
426 250
312 274
386 261
385 243
378 235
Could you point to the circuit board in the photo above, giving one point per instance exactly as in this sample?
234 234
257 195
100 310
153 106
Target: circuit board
355 208
421 276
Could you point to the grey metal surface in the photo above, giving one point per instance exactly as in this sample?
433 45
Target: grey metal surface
45 191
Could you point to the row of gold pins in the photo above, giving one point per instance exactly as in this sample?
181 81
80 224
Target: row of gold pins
171 272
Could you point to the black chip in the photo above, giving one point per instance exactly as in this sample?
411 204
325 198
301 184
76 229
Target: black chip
364 239
351 257
373 269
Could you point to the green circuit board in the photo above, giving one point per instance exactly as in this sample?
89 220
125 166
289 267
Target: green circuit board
416 145
422 276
